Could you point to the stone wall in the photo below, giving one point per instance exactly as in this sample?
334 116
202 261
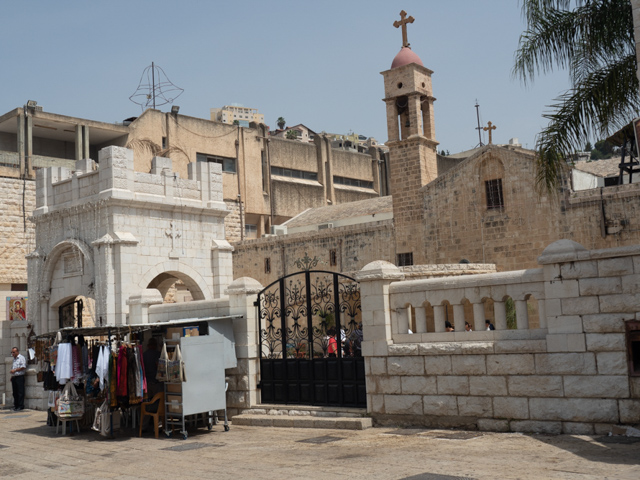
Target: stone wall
108 233
570 377
354 247
458 223
18 201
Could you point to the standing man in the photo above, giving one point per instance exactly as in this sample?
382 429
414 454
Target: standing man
18 371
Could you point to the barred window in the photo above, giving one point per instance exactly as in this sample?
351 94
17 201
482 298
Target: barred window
405 259
267 265
293 173
494 193
228 164
333 260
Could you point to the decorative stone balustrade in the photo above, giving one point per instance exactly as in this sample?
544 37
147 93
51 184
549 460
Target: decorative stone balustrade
472 299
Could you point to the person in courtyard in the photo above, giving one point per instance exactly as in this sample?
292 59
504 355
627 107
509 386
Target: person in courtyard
332 346
18 371
150 359
489 325
467 327
447 326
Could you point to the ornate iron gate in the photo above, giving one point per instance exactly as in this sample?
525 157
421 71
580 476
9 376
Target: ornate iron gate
70 314
310 340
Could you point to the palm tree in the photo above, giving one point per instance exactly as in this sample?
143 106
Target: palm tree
593 39
281 122
291 134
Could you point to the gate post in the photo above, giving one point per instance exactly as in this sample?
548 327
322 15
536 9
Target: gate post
375 279
243 380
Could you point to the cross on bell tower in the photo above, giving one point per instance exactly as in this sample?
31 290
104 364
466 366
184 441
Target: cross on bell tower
403 23
412 144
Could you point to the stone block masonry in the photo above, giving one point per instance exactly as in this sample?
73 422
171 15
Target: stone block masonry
571 375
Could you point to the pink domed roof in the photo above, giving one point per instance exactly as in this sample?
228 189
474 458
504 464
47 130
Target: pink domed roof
405 57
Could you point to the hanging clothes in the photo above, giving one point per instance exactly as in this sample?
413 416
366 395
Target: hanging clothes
102 365
85 359
113 380
64 363
142 372
121 389
76 358
133 377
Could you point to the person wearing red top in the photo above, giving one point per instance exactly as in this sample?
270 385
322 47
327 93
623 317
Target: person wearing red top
332 348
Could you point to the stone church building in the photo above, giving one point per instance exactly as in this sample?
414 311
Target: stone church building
479 207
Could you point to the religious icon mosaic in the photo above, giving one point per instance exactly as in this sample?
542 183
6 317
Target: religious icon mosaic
17 308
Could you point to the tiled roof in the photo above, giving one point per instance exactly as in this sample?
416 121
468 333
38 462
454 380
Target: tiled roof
331 213
600 168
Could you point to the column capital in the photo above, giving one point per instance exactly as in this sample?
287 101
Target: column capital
379 270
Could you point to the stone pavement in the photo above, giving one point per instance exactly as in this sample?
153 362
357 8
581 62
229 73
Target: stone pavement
30 449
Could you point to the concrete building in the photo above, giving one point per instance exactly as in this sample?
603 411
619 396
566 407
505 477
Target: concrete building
478 206
587 174
236 114
301 132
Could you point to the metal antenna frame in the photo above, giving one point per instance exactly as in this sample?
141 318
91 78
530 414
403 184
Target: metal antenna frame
155 94
479 128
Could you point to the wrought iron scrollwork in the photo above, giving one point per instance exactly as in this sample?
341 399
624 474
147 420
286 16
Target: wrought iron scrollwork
305 263
270 334
298 312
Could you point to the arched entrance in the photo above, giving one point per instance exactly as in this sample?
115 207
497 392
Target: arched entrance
176 287
310 340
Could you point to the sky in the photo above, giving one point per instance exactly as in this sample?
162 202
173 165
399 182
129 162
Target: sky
316 63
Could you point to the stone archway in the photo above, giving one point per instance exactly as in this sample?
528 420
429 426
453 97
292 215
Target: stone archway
163 276
52 258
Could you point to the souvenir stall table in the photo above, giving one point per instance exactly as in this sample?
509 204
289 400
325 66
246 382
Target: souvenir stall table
98 357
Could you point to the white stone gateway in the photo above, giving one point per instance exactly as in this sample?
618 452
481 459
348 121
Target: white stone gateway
109 234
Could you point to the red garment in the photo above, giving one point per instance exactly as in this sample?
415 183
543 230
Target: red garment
144 375
121 389
333 346
76 362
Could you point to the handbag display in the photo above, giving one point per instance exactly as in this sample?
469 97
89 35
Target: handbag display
161 375
175 367
70 404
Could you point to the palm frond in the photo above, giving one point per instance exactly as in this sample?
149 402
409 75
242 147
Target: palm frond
559 36
144 145
604 101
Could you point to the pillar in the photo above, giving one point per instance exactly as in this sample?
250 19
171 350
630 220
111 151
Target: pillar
421 320
221 266
542 314
28 146
522 316
458 317
415 114
439 318
500 312
401 323
139 305
478 316
78 142
85 142
243 392
20 141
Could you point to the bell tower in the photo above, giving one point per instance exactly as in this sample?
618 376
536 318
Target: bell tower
412 144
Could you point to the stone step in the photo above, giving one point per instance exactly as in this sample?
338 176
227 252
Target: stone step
308 410
302 421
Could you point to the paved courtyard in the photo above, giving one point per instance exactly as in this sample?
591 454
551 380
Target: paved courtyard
30 449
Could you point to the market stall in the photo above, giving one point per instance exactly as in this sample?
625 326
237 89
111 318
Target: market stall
97 374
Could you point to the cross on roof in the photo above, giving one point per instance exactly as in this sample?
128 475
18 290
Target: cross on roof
488 128
403 23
